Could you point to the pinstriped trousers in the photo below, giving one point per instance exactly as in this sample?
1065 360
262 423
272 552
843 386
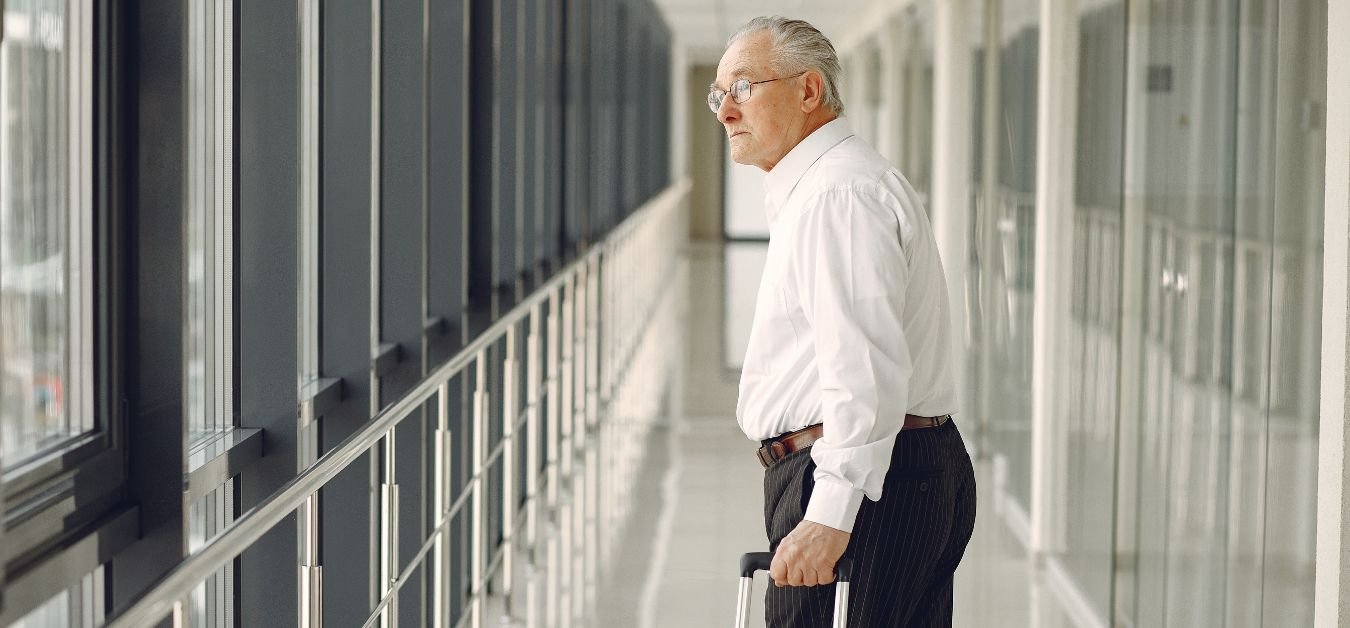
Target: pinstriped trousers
905 548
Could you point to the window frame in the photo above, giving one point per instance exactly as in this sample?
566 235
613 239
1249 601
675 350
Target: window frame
52 465
70 494
211 187
51 460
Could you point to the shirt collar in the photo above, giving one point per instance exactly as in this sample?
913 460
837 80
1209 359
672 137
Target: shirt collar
783 178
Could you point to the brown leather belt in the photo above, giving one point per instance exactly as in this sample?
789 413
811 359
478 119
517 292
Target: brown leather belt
775 449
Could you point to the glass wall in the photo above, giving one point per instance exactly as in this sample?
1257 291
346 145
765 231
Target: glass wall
1229 179
1290 178
1179 465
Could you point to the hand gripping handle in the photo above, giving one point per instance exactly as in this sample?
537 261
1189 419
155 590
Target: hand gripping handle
760 561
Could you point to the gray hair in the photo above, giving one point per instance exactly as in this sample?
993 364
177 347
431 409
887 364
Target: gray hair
798 47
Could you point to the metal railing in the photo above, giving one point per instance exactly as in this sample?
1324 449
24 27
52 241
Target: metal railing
558 356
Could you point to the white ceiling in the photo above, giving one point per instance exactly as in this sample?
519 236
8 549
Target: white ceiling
703 26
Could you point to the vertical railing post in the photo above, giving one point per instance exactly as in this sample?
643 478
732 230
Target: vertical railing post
567 370
611 330
590 418
510 412
310 587
478 527
580 355
181 617
607 428
553 435
379 478
553 389
389 531
441 504
577 419
532 424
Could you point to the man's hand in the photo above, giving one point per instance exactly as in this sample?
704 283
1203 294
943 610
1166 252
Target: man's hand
806 556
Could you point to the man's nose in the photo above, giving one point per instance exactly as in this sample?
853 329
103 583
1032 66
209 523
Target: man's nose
727 111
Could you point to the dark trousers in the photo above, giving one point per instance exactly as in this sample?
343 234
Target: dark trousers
904 548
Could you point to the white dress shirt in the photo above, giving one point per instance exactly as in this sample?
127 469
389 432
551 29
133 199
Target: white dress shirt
852 327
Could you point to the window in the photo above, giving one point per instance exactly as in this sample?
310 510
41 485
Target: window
212 602
210 218
80 606
45 227
209 345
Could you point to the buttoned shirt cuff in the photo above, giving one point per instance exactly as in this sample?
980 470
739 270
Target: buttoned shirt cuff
834 504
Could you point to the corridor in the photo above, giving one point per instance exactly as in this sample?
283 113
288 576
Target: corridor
394 313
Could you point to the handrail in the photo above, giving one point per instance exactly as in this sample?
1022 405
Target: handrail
179 583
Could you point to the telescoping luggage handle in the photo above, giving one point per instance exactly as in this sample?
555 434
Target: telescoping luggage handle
760 561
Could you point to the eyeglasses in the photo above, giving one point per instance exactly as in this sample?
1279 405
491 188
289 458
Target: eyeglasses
740 91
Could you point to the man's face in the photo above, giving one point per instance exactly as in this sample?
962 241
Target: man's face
764 128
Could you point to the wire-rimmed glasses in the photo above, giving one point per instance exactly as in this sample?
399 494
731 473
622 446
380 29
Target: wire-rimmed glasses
740 91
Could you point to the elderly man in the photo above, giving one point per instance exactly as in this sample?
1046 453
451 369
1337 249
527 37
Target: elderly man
847 380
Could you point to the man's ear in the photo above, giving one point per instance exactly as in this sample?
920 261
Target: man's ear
813 91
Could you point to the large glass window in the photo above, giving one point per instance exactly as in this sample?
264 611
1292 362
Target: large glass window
45 226
212 601
210 218
209 393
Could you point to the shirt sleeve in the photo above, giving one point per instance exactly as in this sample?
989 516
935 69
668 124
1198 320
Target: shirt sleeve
850 272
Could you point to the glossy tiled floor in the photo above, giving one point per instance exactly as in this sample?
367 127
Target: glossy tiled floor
701 502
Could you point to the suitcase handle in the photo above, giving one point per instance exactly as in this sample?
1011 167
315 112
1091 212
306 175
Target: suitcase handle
760 561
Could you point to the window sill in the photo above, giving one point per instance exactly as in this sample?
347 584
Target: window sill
214 461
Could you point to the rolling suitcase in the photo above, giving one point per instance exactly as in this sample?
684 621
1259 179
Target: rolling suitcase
760 561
